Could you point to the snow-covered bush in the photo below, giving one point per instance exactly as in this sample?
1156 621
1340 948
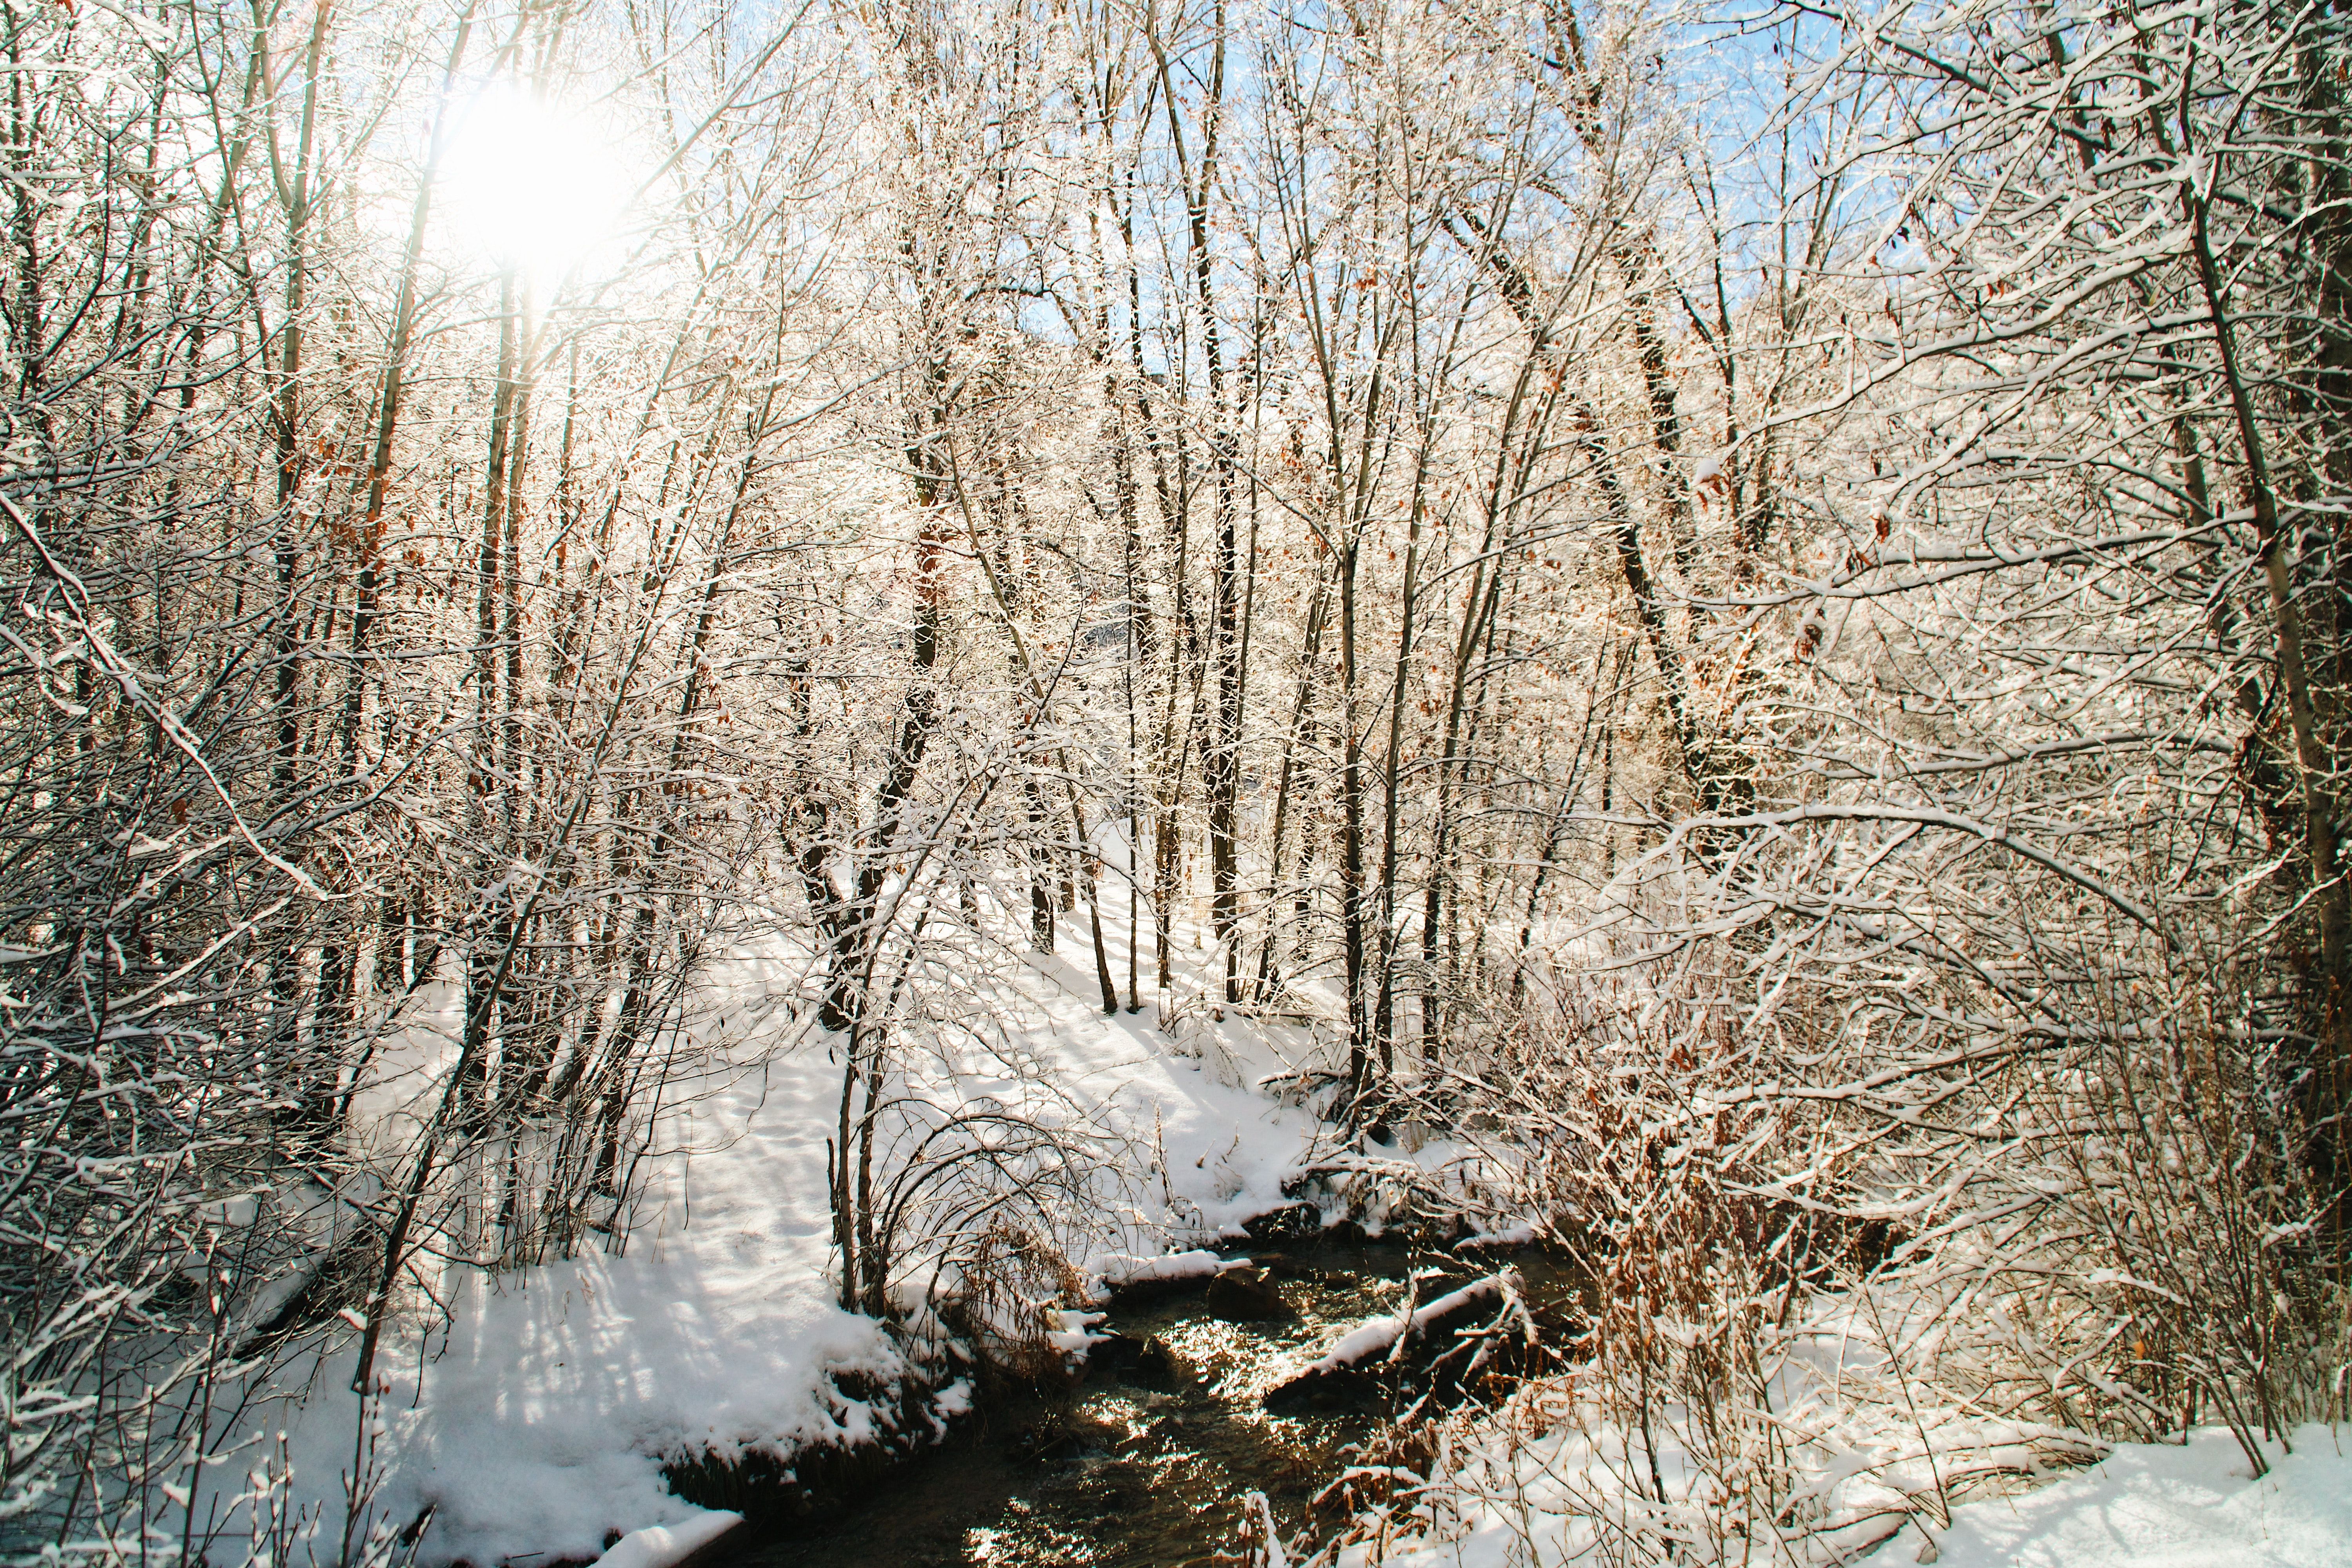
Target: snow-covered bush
1828 1290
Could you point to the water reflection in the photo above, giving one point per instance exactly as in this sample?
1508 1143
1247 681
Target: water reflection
1144 1462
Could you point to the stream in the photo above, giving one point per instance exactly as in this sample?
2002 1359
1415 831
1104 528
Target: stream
1145 1461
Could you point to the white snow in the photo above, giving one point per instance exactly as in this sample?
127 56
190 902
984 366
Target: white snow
1118 1270
2144 1506
2163 1506
1262 1524
667 1546
1368 1340
1076 1333
542 1414
1519 1234
535 1416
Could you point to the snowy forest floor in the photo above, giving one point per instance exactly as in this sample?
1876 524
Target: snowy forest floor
2161 1506
535 1414
2189 1505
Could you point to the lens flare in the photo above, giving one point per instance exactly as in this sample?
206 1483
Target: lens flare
531 185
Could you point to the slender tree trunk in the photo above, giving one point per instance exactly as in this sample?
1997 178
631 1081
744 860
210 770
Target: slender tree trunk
1353 902
2294 680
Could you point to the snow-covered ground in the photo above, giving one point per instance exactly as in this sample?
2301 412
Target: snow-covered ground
535 1416
1844 1455
2163 1506
2192 1505
536 1419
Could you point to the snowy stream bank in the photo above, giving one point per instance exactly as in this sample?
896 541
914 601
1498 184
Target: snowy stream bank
540 1417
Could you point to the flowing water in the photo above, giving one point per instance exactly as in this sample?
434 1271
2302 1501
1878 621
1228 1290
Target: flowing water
1145 1462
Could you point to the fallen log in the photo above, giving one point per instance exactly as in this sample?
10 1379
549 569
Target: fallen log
1429 1338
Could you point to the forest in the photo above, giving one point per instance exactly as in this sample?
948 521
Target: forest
692 686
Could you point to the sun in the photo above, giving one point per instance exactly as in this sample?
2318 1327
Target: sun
531 185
